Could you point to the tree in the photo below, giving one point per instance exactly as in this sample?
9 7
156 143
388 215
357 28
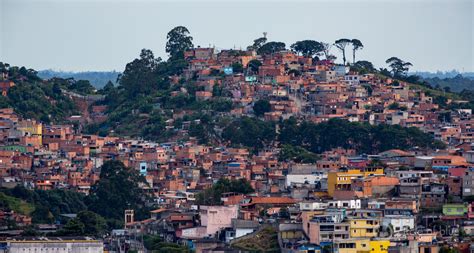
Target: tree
399 67
363 67
341 45
179 41
308 48
366 138
284 213
108 87
446 249
249 132
356 45
94 224
394 106
154 243
42 215
73 227
82 86
257 43
296 154
237 67
108 197
254 65
294 72
261 107
271 48
86 223
221 104
140 75
326 50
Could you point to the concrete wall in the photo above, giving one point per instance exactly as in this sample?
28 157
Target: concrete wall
56 247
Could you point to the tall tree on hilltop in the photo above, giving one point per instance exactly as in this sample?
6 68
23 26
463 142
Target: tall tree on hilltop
308 48
257 43
326 49
271 47
140 75
341 45
179 41
356 45
399 67
363 67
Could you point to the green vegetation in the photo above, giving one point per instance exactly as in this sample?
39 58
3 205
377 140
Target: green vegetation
271 48
341 44
363 137
34 98
86 223
15 204
297 154
254 65
398 67
108 197
179 41
455 84
308 48
82 87
155 244
261 107
356 45
48 205
447 249
363 67
317 138
212 196
249 132
257 43
265 240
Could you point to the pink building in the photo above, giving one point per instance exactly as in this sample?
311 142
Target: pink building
214 218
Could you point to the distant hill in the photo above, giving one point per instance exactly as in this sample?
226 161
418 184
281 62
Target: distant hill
457 83
443 74
96 78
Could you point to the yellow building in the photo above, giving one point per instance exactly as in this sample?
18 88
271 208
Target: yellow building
364 227
341 180
31 128
361 246
379 246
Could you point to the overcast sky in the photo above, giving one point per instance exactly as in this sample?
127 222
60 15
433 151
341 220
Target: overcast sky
81 35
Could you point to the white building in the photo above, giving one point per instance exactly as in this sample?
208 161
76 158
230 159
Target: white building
349 204
352 79
301 174
399 223
311 206
45 245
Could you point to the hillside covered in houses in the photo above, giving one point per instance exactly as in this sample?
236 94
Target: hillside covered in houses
304 145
